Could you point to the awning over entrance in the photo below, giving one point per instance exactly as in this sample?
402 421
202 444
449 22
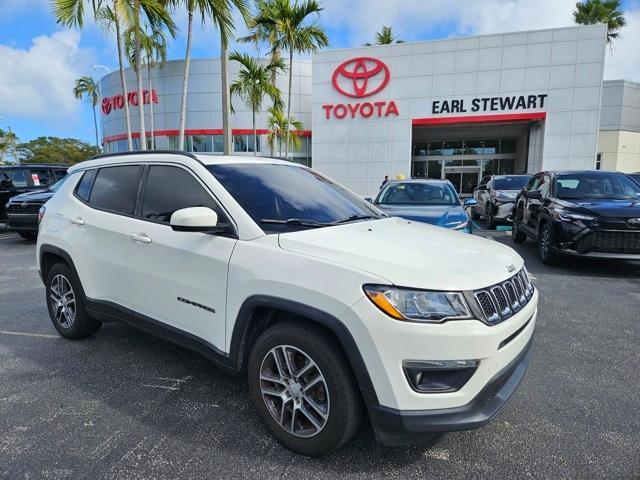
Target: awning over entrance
476 119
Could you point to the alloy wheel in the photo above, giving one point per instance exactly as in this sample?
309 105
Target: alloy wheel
295 391
544 242
63 301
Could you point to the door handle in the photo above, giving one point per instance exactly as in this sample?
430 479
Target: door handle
140 238
77 221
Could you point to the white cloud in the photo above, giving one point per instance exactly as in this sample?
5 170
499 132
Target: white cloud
37 83
623 60
359 20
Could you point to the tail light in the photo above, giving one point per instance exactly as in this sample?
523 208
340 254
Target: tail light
41 214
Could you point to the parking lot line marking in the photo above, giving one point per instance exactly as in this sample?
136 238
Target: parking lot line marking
26 334
160 386
5 237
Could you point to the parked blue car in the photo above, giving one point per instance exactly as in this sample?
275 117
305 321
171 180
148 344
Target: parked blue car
428 201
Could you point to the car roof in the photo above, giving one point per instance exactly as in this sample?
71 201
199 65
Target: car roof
35 165
177 156
421 180
510 175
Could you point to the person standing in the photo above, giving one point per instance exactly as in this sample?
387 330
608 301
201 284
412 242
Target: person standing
385 181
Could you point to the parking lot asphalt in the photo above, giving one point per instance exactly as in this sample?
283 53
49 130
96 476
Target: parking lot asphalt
123 404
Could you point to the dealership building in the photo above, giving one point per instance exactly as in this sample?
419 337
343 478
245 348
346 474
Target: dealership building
457 109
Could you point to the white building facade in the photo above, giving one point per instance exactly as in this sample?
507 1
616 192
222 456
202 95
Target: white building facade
204 109
459 108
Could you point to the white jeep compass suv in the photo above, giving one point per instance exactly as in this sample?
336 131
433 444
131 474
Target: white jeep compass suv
334 311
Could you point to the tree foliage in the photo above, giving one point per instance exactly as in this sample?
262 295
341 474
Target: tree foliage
55 150
385 37
609 12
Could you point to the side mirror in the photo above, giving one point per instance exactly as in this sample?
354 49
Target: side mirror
196 219
470 202
5 184
534 195
369 199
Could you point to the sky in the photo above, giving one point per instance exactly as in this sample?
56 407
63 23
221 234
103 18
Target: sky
39 59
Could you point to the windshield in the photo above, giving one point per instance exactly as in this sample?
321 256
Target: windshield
283 197
414 193
613 186
57 185
515 182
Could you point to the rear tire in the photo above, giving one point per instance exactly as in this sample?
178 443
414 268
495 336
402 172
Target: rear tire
546 253
29 235
310 409
66 304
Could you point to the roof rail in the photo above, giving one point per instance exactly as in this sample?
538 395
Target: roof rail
143 152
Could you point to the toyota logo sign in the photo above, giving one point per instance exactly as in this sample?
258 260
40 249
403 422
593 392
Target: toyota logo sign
361 77
633 223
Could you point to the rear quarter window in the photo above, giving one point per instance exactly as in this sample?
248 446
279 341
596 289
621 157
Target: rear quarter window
83 190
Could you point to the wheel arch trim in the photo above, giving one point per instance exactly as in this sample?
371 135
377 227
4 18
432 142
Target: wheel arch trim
243 324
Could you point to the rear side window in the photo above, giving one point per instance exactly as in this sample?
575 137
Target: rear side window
84 186
171 188
115 189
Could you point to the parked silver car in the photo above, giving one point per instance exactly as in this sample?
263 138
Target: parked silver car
495 197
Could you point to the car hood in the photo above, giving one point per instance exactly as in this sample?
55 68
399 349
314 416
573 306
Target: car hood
434 214
36 196
409 254
511 194
605 207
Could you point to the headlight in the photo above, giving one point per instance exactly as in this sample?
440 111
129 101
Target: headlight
418 305
569 216
458 225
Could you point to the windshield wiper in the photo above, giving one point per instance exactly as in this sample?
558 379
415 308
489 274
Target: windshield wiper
353 218
295 221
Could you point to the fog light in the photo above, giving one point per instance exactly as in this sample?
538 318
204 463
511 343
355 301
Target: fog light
438 376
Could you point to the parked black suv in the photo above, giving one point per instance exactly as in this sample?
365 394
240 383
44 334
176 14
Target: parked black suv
589 213
17 179
23 210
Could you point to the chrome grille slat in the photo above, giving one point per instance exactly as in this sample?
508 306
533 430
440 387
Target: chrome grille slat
501 301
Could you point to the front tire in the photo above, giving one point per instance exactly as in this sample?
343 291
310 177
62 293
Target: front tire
66 304
546 254
488 217
517 235
303 388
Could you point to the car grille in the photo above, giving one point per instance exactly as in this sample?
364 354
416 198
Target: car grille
23 208
501 301
608 241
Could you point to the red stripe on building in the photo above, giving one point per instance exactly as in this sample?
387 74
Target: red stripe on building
498 118
198 131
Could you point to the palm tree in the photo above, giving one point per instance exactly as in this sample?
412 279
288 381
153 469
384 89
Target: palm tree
154 50
119 14
71 13
292 33
279 127
158 17
220 13
591 12
8 141
253 84
87 86
385 37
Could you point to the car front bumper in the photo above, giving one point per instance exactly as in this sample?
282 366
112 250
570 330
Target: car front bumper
503 212
22 222
400 427
400 414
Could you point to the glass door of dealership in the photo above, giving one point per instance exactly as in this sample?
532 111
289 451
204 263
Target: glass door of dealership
464 179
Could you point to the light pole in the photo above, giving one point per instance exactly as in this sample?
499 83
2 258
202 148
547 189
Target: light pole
95 67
